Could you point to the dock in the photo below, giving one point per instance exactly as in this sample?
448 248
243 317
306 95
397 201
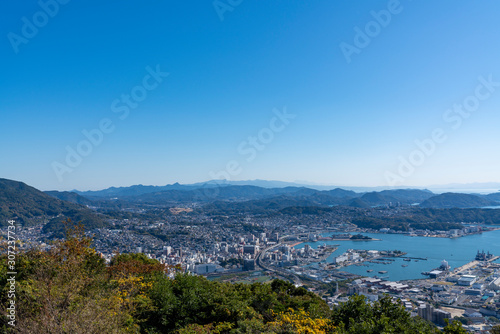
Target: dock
471 265
465 267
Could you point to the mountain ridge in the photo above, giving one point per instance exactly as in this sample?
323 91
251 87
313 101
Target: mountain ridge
215 191
28 205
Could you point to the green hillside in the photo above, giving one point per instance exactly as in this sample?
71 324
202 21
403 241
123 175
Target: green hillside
29 206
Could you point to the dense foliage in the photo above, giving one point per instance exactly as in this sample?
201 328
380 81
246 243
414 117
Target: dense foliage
384 316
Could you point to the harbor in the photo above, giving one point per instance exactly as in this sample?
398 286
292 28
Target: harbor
421 254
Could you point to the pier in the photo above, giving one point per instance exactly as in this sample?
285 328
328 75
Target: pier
494 258
326 252
465 267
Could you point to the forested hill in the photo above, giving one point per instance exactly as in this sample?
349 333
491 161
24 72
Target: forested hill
457 200
69 196
28 205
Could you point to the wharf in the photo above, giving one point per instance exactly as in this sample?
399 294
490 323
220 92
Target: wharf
465 267
327 252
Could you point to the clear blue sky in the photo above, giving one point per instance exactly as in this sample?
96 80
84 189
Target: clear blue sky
353 120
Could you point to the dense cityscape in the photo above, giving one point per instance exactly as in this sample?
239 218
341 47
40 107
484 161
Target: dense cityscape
258 248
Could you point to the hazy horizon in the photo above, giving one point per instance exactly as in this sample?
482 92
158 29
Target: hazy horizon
482 188
366 94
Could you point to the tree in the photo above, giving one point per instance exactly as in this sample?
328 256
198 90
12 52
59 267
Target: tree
383 316
300 322
495 330
454 327
63 290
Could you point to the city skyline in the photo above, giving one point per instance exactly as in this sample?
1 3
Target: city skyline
386 93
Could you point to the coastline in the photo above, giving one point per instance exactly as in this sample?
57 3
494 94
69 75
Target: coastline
490 229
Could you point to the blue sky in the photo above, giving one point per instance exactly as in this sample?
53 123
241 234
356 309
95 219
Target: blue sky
355 122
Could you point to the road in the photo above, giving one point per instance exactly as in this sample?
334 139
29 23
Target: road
290 276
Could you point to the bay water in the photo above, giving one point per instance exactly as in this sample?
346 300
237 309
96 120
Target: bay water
456 252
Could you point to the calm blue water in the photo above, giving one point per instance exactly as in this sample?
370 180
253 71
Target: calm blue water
456 251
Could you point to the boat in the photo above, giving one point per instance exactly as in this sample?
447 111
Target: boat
369 270
407 260
404 265
382 272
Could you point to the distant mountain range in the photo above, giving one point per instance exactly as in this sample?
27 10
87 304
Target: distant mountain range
27 204
468 188
283 192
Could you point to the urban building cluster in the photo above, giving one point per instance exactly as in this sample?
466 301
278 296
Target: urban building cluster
218 245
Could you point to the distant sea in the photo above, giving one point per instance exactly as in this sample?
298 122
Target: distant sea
482 191
456 251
